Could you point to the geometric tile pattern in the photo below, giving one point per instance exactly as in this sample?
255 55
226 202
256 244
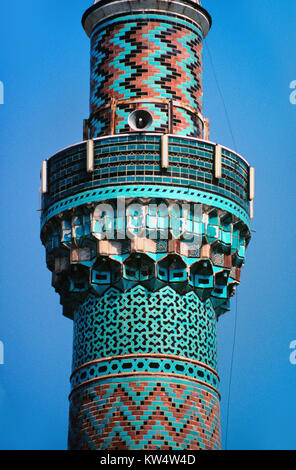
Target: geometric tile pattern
144 349
144 413
146 56
144 372
143 322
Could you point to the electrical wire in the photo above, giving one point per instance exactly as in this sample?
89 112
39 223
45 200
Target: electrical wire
221 96
231 371
236 309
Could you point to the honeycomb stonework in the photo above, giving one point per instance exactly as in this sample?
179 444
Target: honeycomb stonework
145 287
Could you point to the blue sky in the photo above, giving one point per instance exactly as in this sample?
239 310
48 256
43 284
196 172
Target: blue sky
45 70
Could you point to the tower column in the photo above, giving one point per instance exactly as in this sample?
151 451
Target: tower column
144 372
146 56
145 224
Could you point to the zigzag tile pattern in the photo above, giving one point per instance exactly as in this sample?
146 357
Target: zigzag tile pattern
145 310
146 56
144 413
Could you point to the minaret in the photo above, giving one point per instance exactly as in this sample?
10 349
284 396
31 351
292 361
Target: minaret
145 224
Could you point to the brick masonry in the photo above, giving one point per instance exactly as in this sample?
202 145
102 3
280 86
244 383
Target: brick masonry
149 56
122 341
144 413
144 373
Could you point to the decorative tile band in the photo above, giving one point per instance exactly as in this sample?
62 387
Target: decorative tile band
135 161
142 364
168 17
155 413
190 11
151 191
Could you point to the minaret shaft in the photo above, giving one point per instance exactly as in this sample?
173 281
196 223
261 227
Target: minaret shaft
145 225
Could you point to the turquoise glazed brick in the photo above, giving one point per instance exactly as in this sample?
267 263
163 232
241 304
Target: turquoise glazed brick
145 310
